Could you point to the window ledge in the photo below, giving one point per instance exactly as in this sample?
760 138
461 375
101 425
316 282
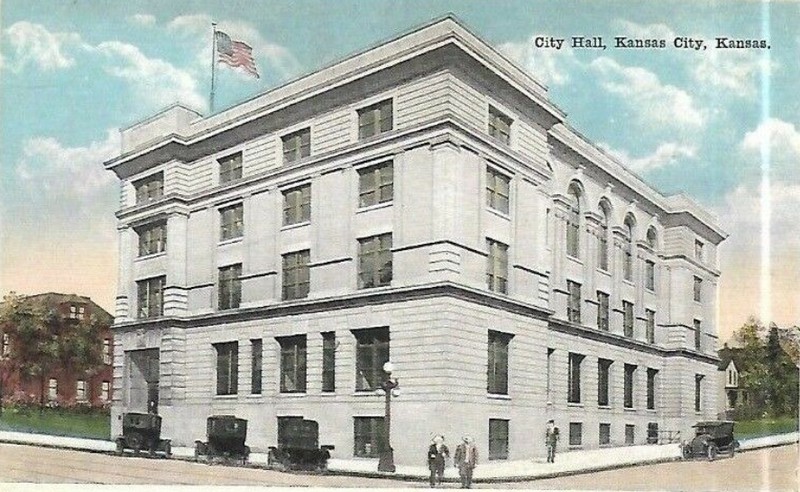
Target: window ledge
255 395
628 282
575 259
575 404
604 407
604 272
499 213
652 410
368 393
629 409
226 397
151 256
375 207
233 240
296 394
327 394
498 396
295 225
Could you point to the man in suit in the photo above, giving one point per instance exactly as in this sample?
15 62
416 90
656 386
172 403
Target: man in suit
437 453
465 459
551 440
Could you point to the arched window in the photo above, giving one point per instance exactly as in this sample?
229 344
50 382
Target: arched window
573 220
602 247
652 239
627 264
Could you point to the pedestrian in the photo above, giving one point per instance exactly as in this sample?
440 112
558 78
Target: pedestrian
551 440
466 459
437 454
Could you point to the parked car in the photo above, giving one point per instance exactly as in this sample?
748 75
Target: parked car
226 439
142 432
711 439
298 446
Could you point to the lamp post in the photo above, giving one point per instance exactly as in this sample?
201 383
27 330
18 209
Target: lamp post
386 459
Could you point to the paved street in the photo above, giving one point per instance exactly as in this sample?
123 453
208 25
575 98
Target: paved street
771 469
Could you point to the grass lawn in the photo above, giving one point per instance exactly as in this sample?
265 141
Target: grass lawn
765 427
57 422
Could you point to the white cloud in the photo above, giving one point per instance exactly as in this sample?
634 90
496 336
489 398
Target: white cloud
547 65
667 154
781 140
75 173
143 19
656 104
33 44
269 56
152 79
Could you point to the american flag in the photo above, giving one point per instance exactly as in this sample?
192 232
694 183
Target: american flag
235 53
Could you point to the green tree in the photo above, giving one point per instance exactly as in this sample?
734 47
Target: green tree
753 373
41 340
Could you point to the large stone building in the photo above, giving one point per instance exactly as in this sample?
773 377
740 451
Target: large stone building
424 202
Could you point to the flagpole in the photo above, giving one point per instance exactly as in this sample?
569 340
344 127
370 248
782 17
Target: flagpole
213 62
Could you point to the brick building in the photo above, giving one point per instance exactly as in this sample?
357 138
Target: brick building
422 202
62 386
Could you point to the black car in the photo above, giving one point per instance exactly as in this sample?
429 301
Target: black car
711 439
226 439
298 446
142 432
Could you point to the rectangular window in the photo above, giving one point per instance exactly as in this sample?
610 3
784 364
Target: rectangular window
372 352
549 375
602 311
107 351
52 389
497 266
630 374
76 312
105 390
605 434
651 325
630 434
230 287
297 205
296 276
575 433
499 125
152 238
367 436
80 390
375 261
698 385
227 368
603 382
329 362
297 145
497 190
374 120
256 358
230 168
698 250
149 188
698 289
498 439
698 333
5 349
652 374
627 262
231 222
574 302
151 297
650 275
497 367
574 378
627 318
602 248
293 363
376 184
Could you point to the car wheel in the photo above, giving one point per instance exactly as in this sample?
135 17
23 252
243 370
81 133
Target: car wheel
135 442
687 452
733 450
712 452
120 446
168 449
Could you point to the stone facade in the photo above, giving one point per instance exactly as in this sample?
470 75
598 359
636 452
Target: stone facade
447 212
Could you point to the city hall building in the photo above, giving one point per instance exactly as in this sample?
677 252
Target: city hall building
422 202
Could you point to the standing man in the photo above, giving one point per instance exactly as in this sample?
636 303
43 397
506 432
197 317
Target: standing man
465 459
437 453
551 440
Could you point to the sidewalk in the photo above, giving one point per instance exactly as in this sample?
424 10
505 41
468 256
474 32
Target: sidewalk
567 463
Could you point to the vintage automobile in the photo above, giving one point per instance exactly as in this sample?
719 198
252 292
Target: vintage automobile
142 432
298 446
711 439
226 436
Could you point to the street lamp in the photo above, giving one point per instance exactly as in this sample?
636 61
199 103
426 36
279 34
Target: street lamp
386 459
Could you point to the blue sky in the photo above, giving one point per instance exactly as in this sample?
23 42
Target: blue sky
706 122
